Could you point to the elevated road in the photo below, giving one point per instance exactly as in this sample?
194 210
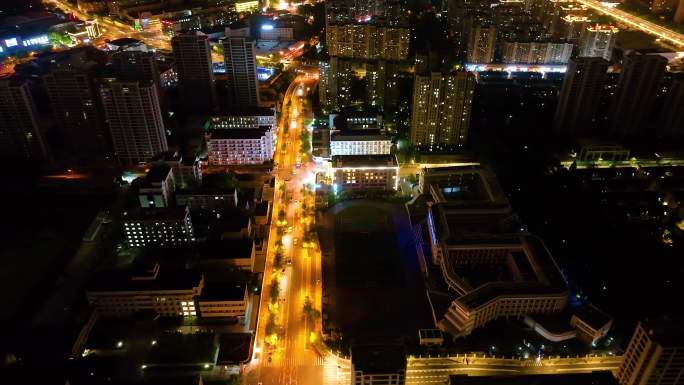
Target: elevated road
667 35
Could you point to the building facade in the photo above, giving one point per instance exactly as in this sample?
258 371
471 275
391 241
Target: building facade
536 52
635 95
481 44
598 41
655 354
243 85
239 146
137 66
249 117
368 41
365 172
194 67
673 114
224 301
158 226
75 103
441 109
356 143
20 135
579 96
133 113
121 293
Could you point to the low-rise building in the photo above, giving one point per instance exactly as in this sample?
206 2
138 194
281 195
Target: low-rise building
158 187
365 172
378 364
239 146
223 301
158 226
471 227
168 292
236 253
359 142
246 117
591 324
207 197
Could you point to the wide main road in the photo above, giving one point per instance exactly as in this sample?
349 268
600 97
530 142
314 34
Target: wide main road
636 22
115 29
290 358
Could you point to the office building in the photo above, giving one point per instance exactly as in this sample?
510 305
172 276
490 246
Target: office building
536 53
246 117
441 109
133 114
672 115
580 95
138 66
481 44
365 172
240 62
639 81
368 41
239 146
165 291
359 142
378 364
158 226
223 301
655 354
157 188
74 98
598 41
195 71
20 136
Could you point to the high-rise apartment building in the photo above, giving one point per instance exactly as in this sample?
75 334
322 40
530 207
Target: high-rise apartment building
655 354
672 115
598 41
441 108
368 41
138 66
381 84
536 52
71 87
481 44
195 70
339 76
20 136
580 95
635 94
243 86
133 113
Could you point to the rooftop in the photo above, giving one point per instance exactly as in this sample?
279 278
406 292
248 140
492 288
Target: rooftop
223 292
594 378
157 174
125 280
178 349
227 249
385 160
369 135
665 330
238 133
235 348
248 111
593 316
546 278
378 359
156 214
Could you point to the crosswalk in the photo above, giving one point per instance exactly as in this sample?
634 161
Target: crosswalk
334 375
298 361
